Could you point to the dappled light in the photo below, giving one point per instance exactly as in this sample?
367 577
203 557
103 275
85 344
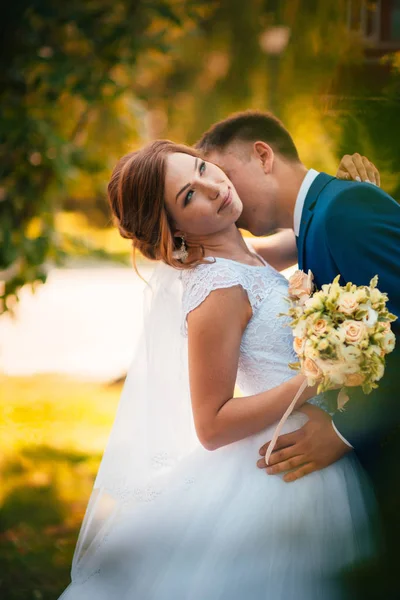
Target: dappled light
54 430
81 84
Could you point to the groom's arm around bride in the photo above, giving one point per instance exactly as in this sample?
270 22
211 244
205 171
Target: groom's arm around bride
356 230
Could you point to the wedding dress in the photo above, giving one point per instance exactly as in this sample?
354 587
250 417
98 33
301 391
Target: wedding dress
223 529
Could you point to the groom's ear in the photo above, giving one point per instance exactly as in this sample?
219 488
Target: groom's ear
265 155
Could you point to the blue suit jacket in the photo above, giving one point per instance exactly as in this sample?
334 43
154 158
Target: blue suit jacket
353 229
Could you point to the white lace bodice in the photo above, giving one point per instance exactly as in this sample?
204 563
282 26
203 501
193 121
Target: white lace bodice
267 344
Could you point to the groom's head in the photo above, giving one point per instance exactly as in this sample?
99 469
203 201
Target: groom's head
257 153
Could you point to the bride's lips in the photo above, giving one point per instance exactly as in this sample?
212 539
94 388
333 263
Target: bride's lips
226 201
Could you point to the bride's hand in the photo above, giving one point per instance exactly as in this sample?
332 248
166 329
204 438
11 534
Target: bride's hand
358 168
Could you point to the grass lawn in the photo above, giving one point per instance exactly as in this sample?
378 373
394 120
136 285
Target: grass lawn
53 432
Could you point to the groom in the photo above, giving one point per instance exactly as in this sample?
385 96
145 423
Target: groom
341 227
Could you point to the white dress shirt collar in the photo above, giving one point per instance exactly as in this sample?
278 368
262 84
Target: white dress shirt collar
301 196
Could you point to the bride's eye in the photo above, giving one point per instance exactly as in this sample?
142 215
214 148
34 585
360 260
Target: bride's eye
188 197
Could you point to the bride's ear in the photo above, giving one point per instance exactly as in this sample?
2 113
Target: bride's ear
265 155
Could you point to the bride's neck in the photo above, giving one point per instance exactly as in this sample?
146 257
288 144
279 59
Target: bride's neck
228 244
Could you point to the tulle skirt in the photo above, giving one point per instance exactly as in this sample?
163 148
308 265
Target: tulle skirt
225 530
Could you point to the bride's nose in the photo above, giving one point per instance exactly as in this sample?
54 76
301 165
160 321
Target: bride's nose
211 188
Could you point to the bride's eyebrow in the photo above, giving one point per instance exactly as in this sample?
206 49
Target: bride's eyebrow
185 187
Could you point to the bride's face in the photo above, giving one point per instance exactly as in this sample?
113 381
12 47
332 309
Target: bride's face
199 196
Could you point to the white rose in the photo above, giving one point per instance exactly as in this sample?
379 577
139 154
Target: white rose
300 330
389 341
350 353
380 371
333 370
370 318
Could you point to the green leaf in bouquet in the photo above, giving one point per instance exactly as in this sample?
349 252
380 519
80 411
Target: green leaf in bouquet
325 385
374 282
368 387
360 314
295 366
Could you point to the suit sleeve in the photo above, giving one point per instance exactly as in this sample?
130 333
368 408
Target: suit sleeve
363 234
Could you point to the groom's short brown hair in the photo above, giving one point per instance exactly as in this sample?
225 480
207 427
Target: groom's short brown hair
249 126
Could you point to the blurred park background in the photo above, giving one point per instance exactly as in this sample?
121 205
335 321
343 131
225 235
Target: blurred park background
81 83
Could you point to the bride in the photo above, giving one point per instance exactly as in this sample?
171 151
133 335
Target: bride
179 510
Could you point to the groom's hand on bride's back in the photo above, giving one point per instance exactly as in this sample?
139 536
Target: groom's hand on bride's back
315 446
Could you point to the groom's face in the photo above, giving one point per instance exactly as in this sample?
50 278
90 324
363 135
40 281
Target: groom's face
255 188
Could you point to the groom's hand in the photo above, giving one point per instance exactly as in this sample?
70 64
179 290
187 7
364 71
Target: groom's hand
315 446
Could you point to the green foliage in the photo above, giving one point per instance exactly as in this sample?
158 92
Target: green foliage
370 122
83 82
53 435
65 70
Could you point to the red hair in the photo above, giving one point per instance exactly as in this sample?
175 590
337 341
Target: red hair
136 193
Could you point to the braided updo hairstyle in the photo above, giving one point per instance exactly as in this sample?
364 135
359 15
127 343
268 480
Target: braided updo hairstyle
136 195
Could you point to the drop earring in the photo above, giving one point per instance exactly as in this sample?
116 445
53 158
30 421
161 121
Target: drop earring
181 254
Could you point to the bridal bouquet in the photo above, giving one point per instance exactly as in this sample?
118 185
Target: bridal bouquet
341 333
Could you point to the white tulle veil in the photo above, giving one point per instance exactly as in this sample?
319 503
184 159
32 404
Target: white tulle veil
153 429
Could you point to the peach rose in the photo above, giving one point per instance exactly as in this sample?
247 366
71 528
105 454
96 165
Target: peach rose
311 369
348 303
298 345
386 326
300 284
355 379
354 331
320 326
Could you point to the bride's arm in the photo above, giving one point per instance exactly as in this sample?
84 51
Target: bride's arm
215 330
280 250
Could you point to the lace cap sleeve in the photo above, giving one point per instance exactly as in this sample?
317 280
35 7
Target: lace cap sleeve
204 279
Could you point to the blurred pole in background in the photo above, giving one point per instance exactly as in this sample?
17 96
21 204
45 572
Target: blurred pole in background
273 42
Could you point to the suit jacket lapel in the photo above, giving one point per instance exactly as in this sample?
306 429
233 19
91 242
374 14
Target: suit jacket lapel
308 210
